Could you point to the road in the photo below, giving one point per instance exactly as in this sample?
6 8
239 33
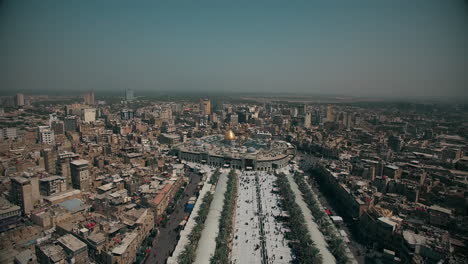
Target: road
166 240
314 230
307 162
207 244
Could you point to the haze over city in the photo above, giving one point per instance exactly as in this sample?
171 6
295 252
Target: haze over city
360 48
233 132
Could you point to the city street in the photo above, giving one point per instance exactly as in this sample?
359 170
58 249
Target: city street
307 162
166 240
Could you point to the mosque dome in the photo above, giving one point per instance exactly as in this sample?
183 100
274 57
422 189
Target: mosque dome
229 135
251 150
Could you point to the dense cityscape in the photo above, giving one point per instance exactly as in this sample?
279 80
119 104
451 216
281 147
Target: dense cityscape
93 178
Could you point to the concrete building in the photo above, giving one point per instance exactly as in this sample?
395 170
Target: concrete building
80 175
205 106
76 250
439 216
233 119
63 166
89 98
25 192
330 114
50 253
19 99
88 115
70 123
129 96
46 135
50 159
9 214
307 120
58 127
169 139
52 185
127 114
8 133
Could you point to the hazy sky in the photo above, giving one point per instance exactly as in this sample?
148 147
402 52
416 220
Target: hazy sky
371 47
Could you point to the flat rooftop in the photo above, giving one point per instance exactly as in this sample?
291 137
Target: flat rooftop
80 162
71 242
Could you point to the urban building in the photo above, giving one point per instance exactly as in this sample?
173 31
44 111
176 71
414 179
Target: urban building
50 159
46 135
129 96
89 98
71 123
80 174
25 192
52 185
19 100
88 115
205 106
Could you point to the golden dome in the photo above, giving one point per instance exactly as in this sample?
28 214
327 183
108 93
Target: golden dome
229 135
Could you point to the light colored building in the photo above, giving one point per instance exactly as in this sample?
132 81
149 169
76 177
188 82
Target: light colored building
307 120
129 95
89 115
46 135
205 106
234 119
8 133
76 250
330 114
253 154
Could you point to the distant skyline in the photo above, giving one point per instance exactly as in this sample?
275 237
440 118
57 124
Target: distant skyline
372 48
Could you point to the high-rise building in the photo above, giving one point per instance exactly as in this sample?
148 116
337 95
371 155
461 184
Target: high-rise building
129 95
80 174
19 99
349 121
53 117
395 143
89 98
307 120
294 112
50 159
52 185
330 114
71 123
302 109
205 106
317 117
89 115
46 135
63 166
234 119
25 192
58 127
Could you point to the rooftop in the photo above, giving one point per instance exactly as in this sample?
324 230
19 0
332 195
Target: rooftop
120 249
71 242
73 205
80 162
